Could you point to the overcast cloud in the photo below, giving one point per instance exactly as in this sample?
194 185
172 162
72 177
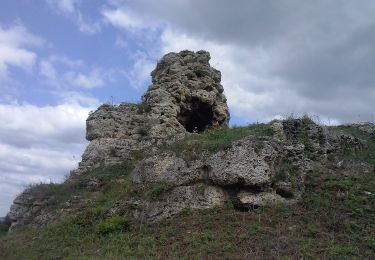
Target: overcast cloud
276 57
38 144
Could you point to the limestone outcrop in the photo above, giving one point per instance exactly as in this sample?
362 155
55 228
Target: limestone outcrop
186 99
185 96
255 171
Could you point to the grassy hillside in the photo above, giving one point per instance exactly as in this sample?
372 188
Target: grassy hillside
335 219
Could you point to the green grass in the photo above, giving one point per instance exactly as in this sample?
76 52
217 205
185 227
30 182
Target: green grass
194 145
113 224
4 226
335 220
367 154
156 189
97 190
286 171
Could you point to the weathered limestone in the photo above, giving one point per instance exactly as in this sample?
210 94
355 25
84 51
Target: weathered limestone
186 96
246 173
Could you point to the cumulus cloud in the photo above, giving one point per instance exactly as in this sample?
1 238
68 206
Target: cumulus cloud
276 57
70 8
69 62
59 70
48 71
15 44
39 144
124 18
87 26
139 74
92 80
67 6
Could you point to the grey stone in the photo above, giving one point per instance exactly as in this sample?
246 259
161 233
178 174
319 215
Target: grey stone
186 96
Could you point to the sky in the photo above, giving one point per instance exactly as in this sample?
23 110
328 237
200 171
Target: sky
61 59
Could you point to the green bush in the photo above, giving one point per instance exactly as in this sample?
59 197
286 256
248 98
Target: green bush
113 224
144 131
144 108
159 188
4 225
88 217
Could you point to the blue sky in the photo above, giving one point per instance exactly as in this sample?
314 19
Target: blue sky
60 59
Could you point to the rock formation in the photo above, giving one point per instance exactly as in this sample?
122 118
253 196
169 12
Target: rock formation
185 96
184 100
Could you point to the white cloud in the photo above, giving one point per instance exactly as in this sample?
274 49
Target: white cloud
69 62
48 71
87 27
15 41
70 8
64 72
275 58
93 79
66 6
124 19
139 75
73 97
38 144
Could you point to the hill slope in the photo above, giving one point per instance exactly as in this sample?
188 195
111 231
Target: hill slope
334 217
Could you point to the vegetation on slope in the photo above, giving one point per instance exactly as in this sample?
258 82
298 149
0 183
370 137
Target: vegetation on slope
335 220
214 141
367 154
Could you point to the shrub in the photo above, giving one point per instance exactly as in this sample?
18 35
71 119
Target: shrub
144 131
88 217
144 108
4 225
114 224
159 188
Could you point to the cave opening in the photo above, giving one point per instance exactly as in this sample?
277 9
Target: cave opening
196 116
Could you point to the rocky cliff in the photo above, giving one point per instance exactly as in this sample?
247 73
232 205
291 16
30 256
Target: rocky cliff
174 151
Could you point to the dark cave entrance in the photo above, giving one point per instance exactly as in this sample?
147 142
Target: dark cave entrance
196 116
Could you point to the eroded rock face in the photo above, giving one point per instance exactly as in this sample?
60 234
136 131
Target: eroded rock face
254 171
246 174
187 90
29 208
194 196
251 172
186 96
